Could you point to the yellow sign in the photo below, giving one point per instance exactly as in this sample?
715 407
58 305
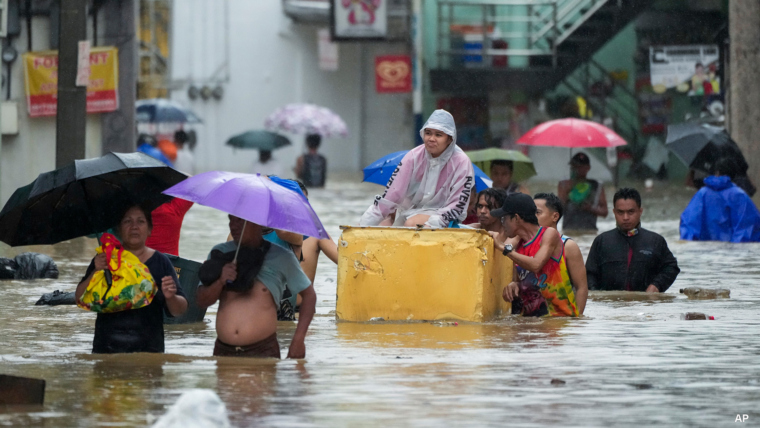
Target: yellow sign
41 77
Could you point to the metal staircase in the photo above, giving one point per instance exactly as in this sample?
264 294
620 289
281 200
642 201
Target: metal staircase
605 98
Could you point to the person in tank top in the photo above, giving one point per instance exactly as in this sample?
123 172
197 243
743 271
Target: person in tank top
540 284
549 212
583 199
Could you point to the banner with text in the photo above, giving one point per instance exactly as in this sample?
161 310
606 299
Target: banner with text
393 74
41 78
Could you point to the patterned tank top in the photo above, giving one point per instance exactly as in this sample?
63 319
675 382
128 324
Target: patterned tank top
547 293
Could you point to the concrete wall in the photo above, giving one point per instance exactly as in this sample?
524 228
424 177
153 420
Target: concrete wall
32 150
273 62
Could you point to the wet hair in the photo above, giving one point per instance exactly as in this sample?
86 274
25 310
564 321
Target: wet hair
529 217
627 193
725 166
494 197
313 141
302 186
508 163
146 139
148 217
181 137
552 202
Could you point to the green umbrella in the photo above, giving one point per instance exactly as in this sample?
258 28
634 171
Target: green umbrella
262 140
523 167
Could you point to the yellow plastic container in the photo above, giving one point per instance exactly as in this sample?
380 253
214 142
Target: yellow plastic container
403 274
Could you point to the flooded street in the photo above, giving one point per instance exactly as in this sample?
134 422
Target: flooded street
631 361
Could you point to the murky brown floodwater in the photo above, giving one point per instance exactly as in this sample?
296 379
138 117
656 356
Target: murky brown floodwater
630 362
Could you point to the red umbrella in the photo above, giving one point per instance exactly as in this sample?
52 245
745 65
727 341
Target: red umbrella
573 133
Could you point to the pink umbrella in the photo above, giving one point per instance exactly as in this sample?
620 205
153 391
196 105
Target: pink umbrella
306 119
573 133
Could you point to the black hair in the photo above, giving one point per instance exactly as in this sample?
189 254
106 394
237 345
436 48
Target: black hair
313 141
725 166
627 193
148 216
181 137
302 186
499 162
146 139
552 202
529 218
494 197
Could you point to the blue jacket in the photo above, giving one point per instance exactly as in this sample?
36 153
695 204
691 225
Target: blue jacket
154 153
720 211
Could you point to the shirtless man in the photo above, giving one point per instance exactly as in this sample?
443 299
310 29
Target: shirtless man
246 322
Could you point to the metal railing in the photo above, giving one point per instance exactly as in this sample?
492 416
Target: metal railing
606 96
480 32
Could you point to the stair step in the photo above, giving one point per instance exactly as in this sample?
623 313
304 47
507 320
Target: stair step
579 40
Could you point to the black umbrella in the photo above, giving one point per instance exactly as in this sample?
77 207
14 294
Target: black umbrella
85 197
699 146
262 140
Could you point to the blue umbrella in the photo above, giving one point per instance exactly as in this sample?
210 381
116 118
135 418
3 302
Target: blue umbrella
160 110
380 171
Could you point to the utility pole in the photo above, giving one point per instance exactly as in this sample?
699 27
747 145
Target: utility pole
71 117
120 18
744 72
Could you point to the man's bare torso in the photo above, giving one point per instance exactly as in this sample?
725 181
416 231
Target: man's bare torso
246 318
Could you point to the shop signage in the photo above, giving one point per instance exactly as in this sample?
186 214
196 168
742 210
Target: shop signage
328 51
359 19
393 74
688 68
41 79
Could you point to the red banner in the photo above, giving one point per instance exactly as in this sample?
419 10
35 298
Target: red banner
393 74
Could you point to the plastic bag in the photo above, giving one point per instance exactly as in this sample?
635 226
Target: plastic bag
132 286
35 265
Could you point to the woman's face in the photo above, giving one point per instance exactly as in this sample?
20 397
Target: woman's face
436 141
133 228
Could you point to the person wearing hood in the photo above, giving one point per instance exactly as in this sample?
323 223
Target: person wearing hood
721 211
432 184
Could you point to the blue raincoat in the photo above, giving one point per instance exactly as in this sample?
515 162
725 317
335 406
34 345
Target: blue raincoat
720 211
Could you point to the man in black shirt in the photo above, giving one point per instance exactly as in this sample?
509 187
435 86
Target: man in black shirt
630 258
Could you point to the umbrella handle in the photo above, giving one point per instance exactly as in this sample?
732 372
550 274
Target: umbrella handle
106 272
240 238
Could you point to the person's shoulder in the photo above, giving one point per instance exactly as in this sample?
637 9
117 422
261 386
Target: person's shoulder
460 155
651 235
225 247
606 235
276 252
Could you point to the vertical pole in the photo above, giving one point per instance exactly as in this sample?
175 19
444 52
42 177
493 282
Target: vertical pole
485 46
555 26
120 18
417 66
744 60
72 99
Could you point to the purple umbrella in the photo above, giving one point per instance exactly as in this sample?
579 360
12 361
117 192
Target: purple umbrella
306 119
254 198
